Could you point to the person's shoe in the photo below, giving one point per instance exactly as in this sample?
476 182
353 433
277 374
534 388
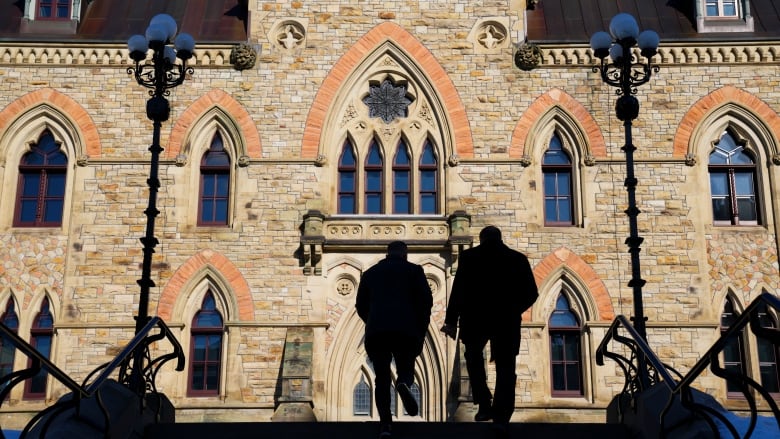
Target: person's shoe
485 413
385 430
407 399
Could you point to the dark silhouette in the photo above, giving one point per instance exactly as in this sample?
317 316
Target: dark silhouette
394 300
493 286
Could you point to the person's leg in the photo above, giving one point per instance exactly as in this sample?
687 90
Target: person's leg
475 365
506 380
405 352
379 353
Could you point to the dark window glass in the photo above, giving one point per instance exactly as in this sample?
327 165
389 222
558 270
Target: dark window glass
53 9
206 350
565 350
347 185
402 180
40 193
214 185
361 399
733 184
429 186
7 350
768 353
557 172
734 350
41 334
374 187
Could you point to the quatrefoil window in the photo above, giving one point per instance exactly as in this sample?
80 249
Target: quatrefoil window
387 101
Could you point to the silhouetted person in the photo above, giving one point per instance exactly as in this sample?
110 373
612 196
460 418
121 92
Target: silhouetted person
493 286
394 300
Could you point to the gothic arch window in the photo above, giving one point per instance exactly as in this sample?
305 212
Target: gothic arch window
558 188
417 394
734 350
361 398
41 337
10 319
213 206
374 192
347 196
429 180
40 193
206 349
768 353
733 183
402 180
565 349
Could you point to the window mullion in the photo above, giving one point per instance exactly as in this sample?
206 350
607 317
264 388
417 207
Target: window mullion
733 196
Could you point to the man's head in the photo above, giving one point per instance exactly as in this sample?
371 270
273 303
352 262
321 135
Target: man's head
397 249
490 234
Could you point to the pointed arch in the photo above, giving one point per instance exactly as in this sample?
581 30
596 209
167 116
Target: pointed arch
416 53
220 105
197 268
546 270
57 106
726 101
557 105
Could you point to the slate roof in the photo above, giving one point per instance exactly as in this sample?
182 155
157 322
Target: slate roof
117 20
570 21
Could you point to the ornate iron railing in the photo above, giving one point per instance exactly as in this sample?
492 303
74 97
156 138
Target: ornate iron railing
121 365
680 387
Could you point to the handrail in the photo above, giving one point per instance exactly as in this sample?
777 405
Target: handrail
138 345
683 388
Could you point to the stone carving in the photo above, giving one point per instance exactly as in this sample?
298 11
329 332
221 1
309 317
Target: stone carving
82 160
776 159
525 160
690 159
290 36
349 114
491 35
345 286
528 56
181 160
243 161
387 101
590 160
243 56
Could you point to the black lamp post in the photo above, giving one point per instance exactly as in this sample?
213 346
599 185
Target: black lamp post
626 72
159 74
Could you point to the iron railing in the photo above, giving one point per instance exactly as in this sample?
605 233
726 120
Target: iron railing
680 387
121 365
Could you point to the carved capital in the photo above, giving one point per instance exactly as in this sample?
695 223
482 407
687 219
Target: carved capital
590 160
82 160
690 159
181 160
453 160
243 161
525 160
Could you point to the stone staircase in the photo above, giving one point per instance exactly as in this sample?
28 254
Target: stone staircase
401 430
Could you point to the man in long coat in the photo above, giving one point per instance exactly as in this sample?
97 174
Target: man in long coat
493 286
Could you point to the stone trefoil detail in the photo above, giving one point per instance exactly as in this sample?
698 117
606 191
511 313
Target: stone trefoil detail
387 101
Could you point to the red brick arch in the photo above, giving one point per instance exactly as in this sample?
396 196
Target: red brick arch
66 105
220 99
455 110
219 263
596 288
545 103
715 100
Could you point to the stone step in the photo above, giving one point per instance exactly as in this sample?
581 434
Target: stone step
401 430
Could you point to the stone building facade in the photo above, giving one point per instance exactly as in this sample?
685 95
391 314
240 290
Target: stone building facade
281 270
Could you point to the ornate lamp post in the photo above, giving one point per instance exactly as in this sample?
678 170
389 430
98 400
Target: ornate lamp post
159 74
626 72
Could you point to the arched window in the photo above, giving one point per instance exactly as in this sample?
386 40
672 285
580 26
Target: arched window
347 184
361 398
53 10
374 186
415 389
7 350
733 183
734 351
429 180
41 335
768 353
566 352
557 173
40 193
214 185
206 349
402 180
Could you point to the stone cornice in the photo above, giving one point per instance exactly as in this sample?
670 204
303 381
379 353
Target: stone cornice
96 54
558 55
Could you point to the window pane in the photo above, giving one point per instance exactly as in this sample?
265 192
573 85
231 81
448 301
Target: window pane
222 184
564 211
747 209
373 180
220 212
55 185
199 351
401 181
208 185
427 180
744 183
361 399
766 351
347 204
427 204
212 377
572 348
550 209
769 378
564 183
206 210
559 377
28 209
373 204
731 351
197 377
556 347
719 183
549 183
52 211
572 375
401 203
721 209
347 182
30 184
